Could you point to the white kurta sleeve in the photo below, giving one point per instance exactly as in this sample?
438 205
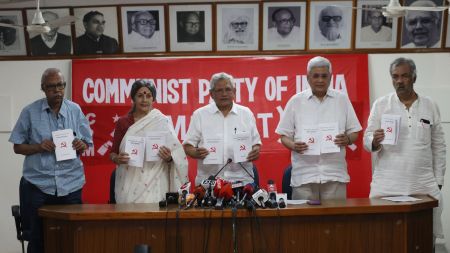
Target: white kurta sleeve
438 147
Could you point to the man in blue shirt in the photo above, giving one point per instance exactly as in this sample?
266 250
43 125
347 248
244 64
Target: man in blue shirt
48 181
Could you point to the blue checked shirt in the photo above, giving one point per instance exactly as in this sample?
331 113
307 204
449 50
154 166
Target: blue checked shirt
36 123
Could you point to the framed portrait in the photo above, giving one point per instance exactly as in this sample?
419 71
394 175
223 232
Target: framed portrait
190 27
237 27
143 29
330 25
422 29
56 42
12 39
447 41
373 30
284 26
96 31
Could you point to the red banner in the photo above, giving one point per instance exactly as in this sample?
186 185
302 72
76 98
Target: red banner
264 84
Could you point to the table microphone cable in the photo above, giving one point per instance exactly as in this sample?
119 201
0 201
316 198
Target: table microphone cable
233 219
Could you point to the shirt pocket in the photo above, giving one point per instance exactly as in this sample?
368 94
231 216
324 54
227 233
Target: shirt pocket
423 132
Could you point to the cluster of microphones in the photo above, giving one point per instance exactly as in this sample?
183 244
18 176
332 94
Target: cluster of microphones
217 193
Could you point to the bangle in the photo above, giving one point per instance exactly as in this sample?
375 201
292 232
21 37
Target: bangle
171 159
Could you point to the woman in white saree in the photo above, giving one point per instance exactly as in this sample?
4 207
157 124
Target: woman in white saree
150 183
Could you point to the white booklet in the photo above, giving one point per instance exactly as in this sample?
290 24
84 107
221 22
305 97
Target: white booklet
391 125
328 132
311 136
135 147
214 145
401 199
153 141
63 141
242 145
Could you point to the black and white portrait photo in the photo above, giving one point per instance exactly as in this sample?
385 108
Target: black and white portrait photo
56 42
284 26
447 41
143 29
12 39
190 27
373 30
330 25
422 29
96 31
237 27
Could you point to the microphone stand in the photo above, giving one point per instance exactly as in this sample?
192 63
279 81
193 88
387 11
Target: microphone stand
242 166
225 165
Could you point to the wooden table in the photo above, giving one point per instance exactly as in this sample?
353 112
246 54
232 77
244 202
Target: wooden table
352 225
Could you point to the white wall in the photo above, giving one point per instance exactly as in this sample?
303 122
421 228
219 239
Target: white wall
21 81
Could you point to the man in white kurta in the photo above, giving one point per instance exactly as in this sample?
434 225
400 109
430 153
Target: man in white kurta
324 175
416 164
222 120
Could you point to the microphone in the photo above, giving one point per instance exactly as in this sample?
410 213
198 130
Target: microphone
260 197
225 165
237 189
226 194
183 191
248 192
272 190
281 203
199 193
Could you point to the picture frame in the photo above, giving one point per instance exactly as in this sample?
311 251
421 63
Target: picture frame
140 37
12 39
237 27
190 27
278 32
373 30
429 35
60 38
336 36
447 40
83 43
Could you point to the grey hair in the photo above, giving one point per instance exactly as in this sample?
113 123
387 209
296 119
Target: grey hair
426 3
48 72
221 76
318 61
401 61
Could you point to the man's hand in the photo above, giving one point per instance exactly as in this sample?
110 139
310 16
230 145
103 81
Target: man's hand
300 147
254 154
79 145
378 137
47 146
342 140
201 153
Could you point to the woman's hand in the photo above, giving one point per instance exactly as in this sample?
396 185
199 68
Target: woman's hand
121 158
165 154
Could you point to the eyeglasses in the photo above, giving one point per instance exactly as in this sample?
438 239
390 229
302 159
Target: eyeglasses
423 21
145 21
54 87
236 25
329 18
192 24
286 21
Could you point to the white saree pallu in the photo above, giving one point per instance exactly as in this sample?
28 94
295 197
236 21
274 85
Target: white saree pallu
150 183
